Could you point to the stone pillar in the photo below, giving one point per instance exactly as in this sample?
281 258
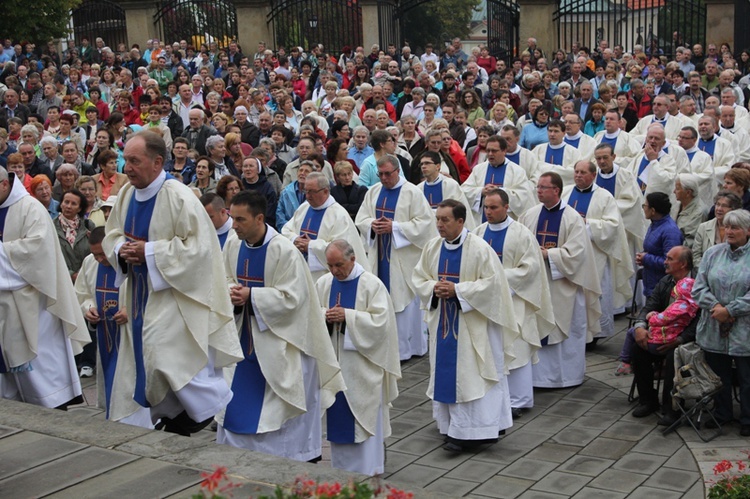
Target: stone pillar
720 22
252 25
536 21
139 21
370 24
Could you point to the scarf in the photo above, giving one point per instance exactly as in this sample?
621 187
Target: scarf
70 227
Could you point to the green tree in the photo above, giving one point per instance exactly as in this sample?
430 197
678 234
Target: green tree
437 21
38 21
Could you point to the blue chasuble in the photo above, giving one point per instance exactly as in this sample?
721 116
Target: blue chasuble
496 239
554 156
434 194
548 227
339 415
223 239
641 167
446 351
137 223
311 224
249 385
515 157
690 155
706 146
612 141
580 201
572 142
386 207
107 330
609 184
496 176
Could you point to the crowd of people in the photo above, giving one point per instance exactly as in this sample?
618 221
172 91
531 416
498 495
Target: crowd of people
366 208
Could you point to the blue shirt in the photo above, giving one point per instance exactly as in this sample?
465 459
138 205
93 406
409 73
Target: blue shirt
359 156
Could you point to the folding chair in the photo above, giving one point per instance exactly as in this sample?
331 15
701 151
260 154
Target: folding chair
694 381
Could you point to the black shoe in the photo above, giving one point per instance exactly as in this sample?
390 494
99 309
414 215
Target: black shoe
745 430
316 460
516 412
184 425
668 419
453 447
644 410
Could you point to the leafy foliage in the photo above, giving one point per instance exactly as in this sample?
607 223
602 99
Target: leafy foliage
438 21
730 485
39 21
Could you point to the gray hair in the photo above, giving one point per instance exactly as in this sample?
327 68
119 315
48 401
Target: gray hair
389 160
737 218
66 168
360 129
365 86
268 142
320 180
689 182
342 246
213 141
47 139
30 129
419 91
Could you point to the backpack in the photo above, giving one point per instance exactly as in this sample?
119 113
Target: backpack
694 379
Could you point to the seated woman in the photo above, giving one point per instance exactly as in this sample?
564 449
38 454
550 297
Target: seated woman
41 190
228 187
204 175
347 193
15 165
66 175
87 186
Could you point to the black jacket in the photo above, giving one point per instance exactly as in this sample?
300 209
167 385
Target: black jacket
204 132
350 198
265 188
250 134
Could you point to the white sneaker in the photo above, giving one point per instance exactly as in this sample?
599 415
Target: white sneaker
86 372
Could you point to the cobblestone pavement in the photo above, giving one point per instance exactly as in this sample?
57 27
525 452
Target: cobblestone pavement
580 442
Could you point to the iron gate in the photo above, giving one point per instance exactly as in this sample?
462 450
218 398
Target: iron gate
666 24
197 21
334 23
389 27
503 18
741 33
100 19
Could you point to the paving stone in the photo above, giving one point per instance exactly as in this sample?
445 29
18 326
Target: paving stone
417 475
419 414
585 465
636 462
26 450
590 493
683 459
618 480
475 471
407 401
667 478
697 491
615 403
451 487
156 444
159 479
568 408
7 430
417 444
656 443
401 428
590 392
576 436
562 483
553 452
546 397
547 424
440 458
394 461
63 472
650 493
608 448
625 430
529 469
525 439
409 379
503 487
599 421
500 453
537 494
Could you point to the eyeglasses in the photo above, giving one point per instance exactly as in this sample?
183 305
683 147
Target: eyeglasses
386 174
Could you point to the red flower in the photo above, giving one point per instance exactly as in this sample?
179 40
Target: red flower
399 494
722 467
212 480
741 465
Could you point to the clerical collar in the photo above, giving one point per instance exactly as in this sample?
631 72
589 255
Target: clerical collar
713 137
663 120
611 174
152 189
727 128
558 146
17 191
436 182
225 228
497 166
270 234
401 181
692 149
501 226
328 202
575 137
559 206
357 271
612 135
587 189
518 149
458 241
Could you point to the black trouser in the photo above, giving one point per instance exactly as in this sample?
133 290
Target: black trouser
642 362
722 366
87 358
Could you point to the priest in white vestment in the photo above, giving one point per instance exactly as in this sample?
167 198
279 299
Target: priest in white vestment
42 326
520 155
219 215
576 138
671 124
180 326
701 164
496 172
362 324
720 149
317 222
437 187
289 372
574 285
738 135
396 221
625 146
100 303
518 251
469 311
609 241
557 156
654 169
